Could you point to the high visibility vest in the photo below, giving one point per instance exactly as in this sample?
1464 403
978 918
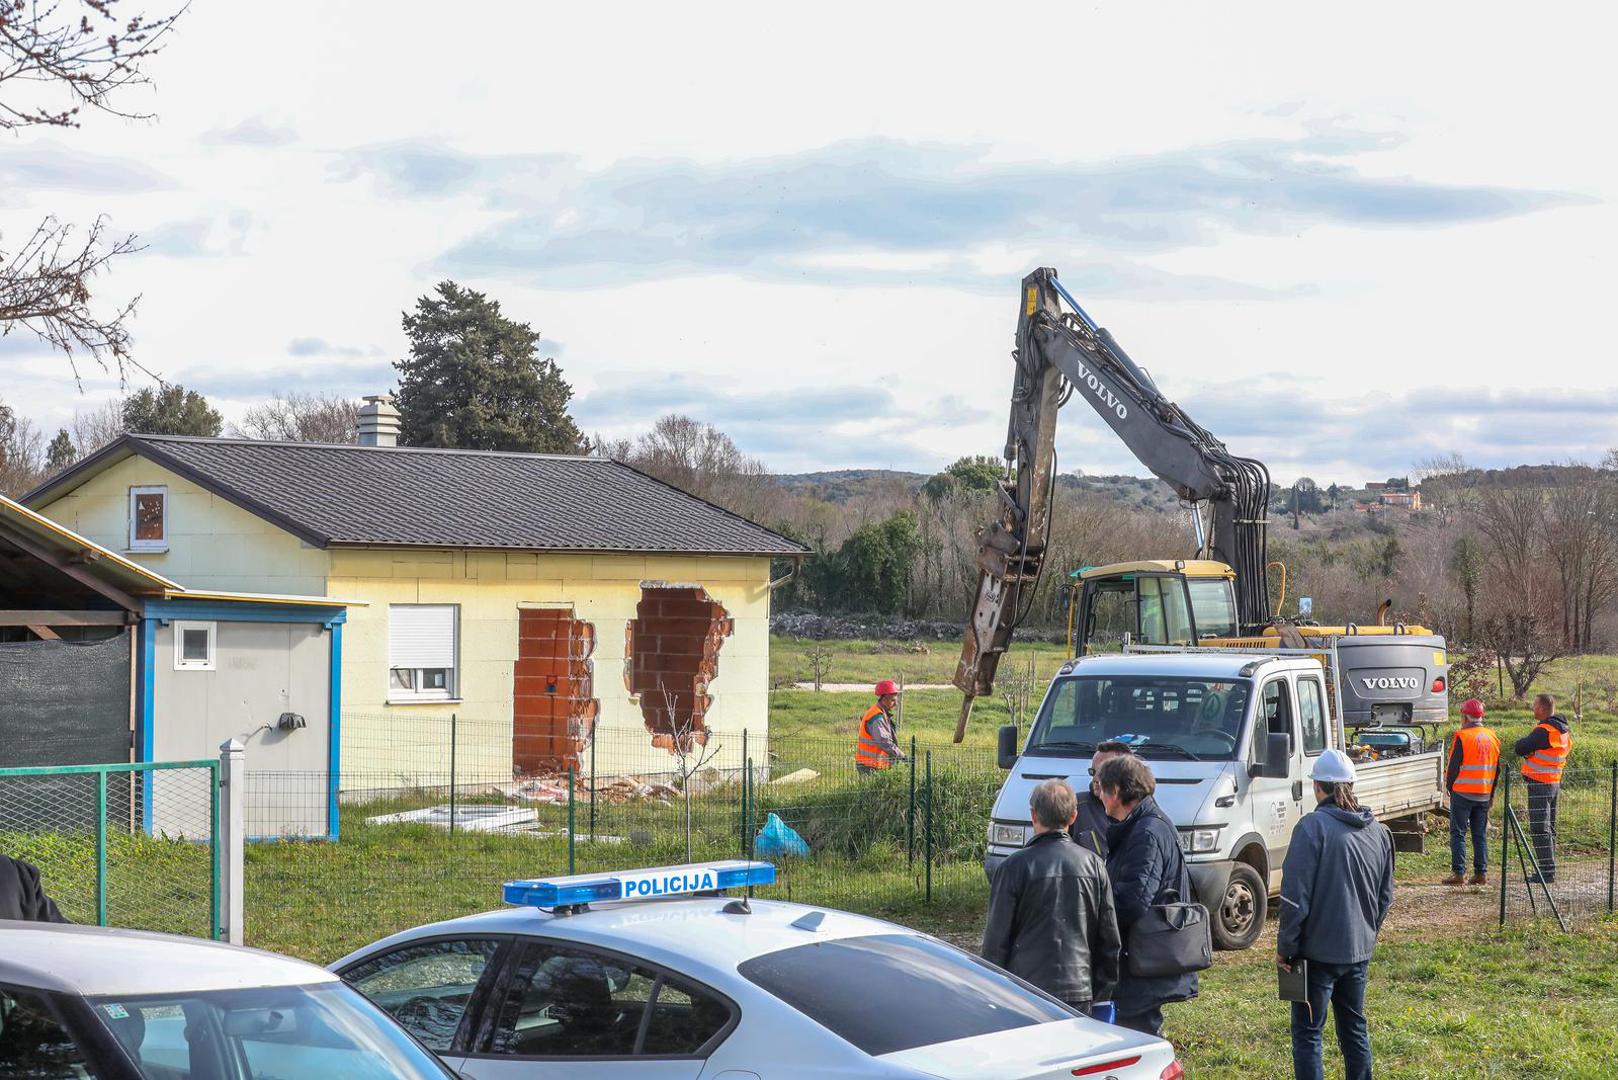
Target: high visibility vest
1545 766
1480 761
867 751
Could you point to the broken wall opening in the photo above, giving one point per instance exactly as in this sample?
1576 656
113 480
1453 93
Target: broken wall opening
671 653
554 706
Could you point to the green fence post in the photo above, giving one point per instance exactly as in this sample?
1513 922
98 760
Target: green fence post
452 742
1612 837
747 773
747 802
910 814
101 848
592 784
927 827
570 812
1505 841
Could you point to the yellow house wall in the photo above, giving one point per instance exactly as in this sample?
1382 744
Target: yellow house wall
389 743
213 544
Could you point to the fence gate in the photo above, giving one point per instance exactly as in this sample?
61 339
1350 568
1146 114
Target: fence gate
135 845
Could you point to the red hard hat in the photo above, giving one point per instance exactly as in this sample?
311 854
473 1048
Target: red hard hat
1472 707
886 687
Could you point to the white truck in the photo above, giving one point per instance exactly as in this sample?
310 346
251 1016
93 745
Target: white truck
1230 737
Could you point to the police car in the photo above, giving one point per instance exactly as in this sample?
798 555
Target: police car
83 1001
651 975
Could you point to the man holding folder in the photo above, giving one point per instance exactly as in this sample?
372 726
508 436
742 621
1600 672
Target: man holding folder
1336 887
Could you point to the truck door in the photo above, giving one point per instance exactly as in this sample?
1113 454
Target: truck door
1278 801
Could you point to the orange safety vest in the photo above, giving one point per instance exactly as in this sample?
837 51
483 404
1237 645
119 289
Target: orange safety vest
867 751
1480 760
1545 766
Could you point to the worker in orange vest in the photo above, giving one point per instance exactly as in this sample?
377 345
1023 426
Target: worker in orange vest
876 749
1474 769
1544 752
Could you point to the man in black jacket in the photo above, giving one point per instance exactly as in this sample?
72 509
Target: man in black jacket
1147 869
1091 826
22 896
1050 909
1544 751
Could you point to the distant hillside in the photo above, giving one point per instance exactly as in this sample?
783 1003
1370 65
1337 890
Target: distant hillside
842 485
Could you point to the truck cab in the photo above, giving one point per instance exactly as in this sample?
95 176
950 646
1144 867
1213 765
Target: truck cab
1230 738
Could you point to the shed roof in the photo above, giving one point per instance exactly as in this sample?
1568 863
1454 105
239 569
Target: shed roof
329 494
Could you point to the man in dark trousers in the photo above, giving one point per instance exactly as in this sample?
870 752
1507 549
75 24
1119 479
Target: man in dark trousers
1147 869
1336 887
21 895
1474 769
1051 920
1544 753
1090 828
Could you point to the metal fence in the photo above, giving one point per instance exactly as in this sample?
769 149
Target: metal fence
1583 871
434 817
132 845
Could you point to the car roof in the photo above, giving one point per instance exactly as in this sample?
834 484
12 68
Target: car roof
1203 665
98 961
696 935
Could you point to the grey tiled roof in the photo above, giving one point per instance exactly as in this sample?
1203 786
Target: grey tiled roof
454 498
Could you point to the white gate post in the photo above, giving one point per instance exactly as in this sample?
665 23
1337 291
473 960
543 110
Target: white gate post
233 835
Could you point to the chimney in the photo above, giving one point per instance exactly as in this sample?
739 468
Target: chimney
379 421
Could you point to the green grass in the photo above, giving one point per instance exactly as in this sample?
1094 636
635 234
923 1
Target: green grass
866 661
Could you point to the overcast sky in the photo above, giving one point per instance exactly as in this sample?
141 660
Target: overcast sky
1341 242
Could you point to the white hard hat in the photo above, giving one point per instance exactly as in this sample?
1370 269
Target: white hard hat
1333 767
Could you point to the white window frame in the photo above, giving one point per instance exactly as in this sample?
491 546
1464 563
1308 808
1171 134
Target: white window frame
451 691
161 544
180 661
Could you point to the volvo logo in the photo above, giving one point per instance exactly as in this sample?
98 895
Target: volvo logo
1108 398
1392 682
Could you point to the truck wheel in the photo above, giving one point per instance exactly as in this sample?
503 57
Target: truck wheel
1239 915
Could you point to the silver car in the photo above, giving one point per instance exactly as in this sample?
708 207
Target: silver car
87 1001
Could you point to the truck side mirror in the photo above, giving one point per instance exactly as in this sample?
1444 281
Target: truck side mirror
1006 754
1277 752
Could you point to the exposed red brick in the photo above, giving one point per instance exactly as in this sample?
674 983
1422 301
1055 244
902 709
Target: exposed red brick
553 710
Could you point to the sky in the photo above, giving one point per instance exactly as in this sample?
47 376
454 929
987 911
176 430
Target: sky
1342 242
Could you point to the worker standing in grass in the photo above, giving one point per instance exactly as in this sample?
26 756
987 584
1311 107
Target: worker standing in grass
1090 824
1336 888
1544 752
1474 769
1051 919
876 747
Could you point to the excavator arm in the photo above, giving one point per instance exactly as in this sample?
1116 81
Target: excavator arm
1061 353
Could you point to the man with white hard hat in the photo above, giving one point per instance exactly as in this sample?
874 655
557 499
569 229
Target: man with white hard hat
1336 887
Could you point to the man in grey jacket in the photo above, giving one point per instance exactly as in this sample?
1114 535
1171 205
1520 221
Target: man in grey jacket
1051 918
1336 887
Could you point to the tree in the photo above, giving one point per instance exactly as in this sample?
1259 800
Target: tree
872 569
21 453
474 380
1523 648
61 452
295 417
97 427
57 59
968 474
700 459
171 409
1466 563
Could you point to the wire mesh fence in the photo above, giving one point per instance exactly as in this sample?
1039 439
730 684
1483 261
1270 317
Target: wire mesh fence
1559 855
437 811
122 845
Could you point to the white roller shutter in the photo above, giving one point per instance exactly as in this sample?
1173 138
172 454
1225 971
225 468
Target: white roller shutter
421 635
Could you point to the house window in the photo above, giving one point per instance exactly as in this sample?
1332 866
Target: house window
422 651
194 646
148 519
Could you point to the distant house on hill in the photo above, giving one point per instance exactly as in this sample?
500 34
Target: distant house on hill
1404 500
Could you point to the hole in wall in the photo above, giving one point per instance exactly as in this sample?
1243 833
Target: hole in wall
671 653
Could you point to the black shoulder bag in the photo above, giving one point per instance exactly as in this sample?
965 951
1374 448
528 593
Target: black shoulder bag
1171 939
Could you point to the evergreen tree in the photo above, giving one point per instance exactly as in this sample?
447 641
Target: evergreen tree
61 452
170 410
474 380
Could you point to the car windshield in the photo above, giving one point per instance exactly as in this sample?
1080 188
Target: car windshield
265 1033
891 992
1189 719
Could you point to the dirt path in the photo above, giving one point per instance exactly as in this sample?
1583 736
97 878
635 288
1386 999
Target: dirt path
846 687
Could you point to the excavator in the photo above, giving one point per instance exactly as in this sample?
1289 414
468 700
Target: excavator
1219 596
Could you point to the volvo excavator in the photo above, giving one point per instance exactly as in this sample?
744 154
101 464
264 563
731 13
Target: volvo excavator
1219 595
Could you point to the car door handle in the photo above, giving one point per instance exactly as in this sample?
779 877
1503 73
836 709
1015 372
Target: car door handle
1297 791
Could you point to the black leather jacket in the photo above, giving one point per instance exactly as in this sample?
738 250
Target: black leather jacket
1051 920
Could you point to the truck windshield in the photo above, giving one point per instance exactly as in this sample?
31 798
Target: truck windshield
1162 717
1213 604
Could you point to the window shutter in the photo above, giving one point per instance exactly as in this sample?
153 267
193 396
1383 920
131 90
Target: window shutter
421 636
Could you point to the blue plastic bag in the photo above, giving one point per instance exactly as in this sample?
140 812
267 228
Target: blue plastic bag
777 838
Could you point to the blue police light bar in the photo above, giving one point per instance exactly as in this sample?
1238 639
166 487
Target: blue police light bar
638 884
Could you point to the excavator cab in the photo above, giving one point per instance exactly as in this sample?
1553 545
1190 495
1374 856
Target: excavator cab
1151 602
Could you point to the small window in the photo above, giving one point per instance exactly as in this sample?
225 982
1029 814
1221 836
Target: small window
194 646
426 987
1312 715
1278 710
148 519
422 647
